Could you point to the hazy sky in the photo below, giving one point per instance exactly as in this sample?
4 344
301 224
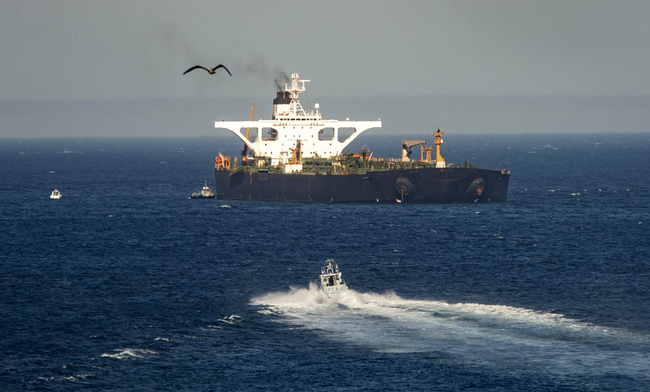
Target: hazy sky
115 68
78 50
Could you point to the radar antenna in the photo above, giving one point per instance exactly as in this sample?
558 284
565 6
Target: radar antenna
295 90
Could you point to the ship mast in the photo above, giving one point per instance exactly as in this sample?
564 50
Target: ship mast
295 107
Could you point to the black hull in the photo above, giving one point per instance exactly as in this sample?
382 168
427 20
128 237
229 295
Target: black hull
449 185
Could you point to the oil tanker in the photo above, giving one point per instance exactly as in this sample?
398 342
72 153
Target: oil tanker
297 156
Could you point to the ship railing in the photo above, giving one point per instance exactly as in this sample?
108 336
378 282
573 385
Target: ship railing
297 118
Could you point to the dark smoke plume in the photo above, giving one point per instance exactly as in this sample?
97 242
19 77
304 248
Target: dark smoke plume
280 79
258 67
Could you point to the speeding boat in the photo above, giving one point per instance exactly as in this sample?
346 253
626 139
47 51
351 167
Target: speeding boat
55 194
330 279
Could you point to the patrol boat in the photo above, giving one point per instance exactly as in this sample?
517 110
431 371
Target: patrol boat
330 281
297 156
206 193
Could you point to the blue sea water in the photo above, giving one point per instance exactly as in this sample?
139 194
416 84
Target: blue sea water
127 284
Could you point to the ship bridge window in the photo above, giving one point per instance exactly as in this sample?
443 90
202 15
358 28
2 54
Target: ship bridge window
269 134
345 133
252 134
326 134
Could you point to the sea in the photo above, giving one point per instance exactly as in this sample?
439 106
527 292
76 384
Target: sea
125 283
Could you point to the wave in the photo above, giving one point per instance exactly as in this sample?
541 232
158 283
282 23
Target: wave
77 377
130 353
492 335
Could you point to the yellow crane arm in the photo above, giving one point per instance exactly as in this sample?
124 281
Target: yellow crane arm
248 131
248 134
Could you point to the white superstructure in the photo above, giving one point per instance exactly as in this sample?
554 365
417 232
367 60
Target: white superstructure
292 127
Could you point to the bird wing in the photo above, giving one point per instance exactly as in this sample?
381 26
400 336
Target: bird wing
224 67
195 67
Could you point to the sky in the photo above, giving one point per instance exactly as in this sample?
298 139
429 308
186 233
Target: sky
110 51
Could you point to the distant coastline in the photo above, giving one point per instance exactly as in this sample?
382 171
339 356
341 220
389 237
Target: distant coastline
413 114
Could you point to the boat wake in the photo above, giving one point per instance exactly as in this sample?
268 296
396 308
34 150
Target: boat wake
486 335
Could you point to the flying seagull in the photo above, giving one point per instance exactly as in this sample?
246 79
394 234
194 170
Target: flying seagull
210 70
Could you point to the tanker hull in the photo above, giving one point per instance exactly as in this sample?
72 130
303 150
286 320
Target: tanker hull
429 185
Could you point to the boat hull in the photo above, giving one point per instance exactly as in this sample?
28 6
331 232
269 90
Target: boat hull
448 185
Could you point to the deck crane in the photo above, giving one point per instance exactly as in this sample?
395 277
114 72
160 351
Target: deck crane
406 148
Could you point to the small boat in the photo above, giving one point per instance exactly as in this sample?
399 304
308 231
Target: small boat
206 193
330 279
55 194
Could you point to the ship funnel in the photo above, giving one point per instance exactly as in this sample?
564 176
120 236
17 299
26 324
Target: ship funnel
281 104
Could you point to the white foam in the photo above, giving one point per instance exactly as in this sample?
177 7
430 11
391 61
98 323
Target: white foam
295 297
129 353
232 319
66 378
494 335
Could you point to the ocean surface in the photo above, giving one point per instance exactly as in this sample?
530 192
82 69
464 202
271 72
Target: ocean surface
127 284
